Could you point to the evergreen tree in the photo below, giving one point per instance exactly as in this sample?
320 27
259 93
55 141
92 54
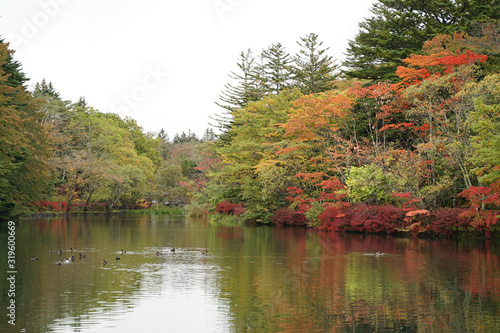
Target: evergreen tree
246 89
163 136
11 67
24 149
238 95
315 71
275 73
400 28
183 137
81 103
53 107
209 135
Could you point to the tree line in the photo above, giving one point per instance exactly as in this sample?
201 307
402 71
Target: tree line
409 120
59 155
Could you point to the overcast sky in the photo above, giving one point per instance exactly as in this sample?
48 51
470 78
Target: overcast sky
163 63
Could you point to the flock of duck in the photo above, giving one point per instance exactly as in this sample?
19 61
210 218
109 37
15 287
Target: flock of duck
103 262
67 260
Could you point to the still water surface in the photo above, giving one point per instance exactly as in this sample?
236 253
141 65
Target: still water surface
252 279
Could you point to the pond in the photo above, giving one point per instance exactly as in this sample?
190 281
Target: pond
241 279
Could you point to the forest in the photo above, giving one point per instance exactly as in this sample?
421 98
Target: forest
403 136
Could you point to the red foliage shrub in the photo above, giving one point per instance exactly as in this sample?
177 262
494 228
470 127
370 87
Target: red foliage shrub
373 219
49 206
239 210
479 199
226 207
444 222
330 219
285 216
448 221
483 220
98 206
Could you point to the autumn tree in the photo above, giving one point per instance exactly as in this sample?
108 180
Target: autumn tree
437 111
315 123
246 173
484 120
24 146
80 159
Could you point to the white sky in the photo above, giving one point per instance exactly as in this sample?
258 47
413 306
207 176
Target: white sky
163 63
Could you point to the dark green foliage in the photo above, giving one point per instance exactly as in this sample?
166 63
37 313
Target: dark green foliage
82 103
183 137
24 173
16 77
400 28
162 135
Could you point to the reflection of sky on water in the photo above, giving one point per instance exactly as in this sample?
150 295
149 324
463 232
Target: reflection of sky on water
177 294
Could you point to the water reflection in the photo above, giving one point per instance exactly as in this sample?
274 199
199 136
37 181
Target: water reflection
137 292
253 279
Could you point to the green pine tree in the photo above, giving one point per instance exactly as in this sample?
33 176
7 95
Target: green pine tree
16 76
54 108
399 28
276 71
315 70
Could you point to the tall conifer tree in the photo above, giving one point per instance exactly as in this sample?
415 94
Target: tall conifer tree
315 70
276 72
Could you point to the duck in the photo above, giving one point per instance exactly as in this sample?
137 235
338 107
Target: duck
80 256
72 258
34 258
59 263
117 258
173 250
104 262
204 253
123 251
59 252
158 253
376 254
71 249
51 251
